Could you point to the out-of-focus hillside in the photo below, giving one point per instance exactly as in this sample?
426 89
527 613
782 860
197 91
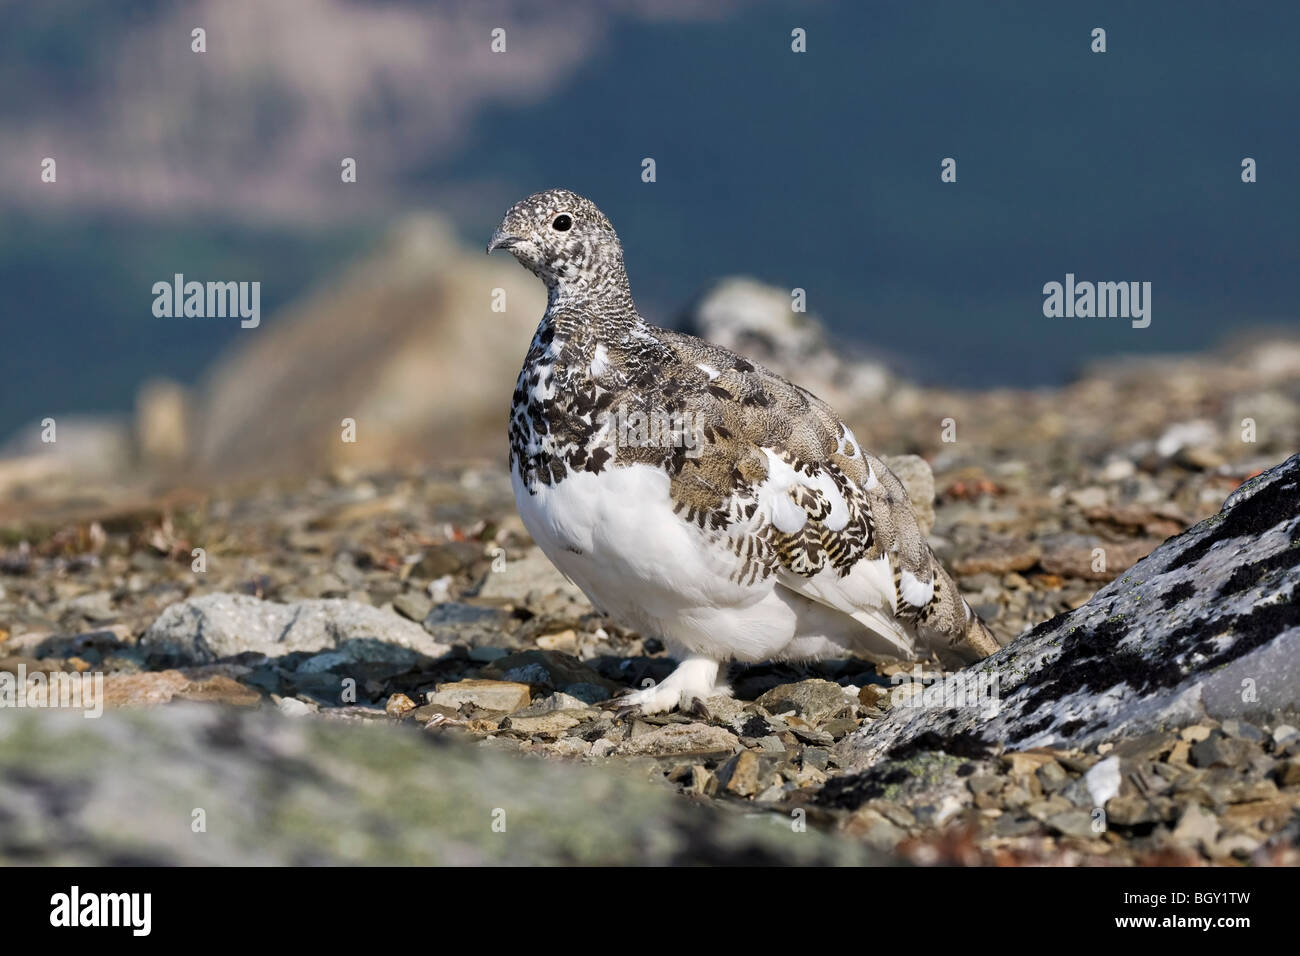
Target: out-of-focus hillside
407 345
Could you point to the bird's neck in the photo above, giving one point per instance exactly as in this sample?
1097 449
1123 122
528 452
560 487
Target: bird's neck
602 295
601 288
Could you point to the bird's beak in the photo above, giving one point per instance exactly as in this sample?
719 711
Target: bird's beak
500 240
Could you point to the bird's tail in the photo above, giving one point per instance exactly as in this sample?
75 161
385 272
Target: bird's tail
952 629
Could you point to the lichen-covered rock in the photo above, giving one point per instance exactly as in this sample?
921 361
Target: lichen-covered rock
816 701
676 739
272 790
1209 623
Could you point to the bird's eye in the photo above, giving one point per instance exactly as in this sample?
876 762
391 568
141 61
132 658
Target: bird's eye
562 222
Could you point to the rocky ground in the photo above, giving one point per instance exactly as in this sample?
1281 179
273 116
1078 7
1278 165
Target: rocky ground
414 600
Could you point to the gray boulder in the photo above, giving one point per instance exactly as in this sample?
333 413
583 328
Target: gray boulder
759 322
1207 624
216 626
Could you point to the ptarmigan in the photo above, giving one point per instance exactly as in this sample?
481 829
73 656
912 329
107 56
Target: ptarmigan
697 497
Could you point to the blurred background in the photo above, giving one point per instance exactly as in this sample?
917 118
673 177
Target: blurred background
204 530
817 170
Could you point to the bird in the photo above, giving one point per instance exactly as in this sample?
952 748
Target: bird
699 498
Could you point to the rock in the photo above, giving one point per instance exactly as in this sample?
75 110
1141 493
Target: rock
816 701
318 792
1242 730
874 829
1074 823
1085 498
999 556
840 726
1219 750
1167 643
1024 764
399 705
817 757
1103 781
447 559
1287 773
552 722
152 688
222 625
88 447
552 671
874 695
293 707
96 607
412 605
1197 827
1148 746
740 774
556 701
506 696
1052 777
1196 433
424 323
1118 469
468 624
565 641
323 585
1200 457
1195 733
1131 810
915 474
676 739
757 321
1081 556
532 579
1159 522
93 646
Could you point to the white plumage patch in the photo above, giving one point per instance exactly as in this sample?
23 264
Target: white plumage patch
774 495
847 439
839 514
913 591
787 516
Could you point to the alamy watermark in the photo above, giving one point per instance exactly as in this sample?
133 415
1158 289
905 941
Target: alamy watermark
133 911
208 300
1102 300
657 428
979 690
58 690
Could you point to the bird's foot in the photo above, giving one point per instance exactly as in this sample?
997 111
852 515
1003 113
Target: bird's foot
687 688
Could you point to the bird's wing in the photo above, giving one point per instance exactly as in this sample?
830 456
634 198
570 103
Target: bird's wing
783 481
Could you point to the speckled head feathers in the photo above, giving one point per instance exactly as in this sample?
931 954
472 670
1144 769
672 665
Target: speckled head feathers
564 239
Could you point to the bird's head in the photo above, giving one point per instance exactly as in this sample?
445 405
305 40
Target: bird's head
564 239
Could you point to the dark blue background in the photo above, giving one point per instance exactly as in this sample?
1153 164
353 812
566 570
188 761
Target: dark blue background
818 170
